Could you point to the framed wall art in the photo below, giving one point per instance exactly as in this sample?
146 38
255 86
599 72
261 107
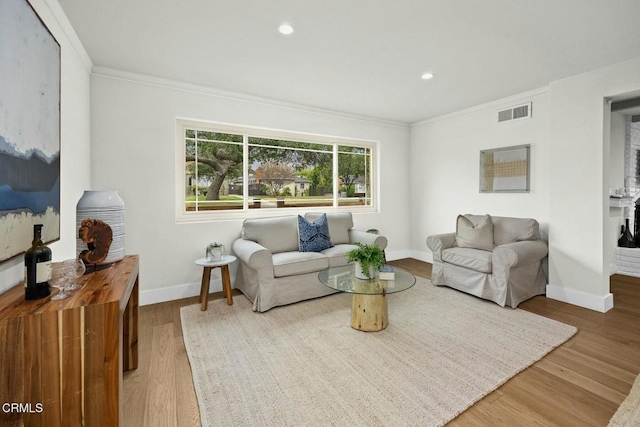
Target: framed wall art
29 129
505 170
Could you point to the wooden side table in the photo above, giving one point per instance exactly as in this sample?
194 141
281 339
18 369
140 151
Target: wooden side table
68 355
223 264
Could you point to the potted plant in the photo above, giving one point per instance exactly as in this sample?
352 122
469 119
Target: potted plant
215 251
368 259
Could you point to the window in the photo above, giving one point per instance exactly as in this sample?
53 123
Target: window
212 162
281 168
224 169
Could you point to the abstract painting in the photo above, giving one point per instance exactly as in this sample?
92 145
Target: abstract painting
505 170
29 129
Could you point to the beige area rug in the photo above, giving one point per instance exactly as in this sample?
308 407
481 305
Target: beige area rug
303 365
628 414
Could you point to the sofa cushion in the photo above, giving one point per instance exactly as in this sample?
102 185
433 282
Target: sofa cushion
473 259
314 236
278 234
337 255
339 225
294 263
509 230
476 236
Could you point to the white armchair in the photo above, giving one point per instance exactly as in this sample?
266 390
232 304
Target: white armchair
508 275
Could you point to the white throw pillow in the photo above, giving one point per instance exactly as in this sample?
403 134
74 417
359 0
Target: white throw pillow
478 237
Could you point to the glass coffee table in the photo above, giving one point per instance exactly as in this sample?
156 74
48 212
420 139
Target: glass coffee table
369 301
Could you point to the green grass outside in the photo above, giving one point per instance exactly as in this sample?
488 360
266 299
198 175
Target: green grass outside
204 198
289 201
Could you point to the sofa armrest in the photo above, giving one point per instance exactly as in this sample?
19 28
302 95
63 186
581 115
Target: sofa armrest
439 242
359 236
253 254
520 253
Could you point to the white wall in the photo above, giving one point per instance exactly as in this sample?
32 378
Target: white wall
133 151
579 183
569 133
445 162
74 135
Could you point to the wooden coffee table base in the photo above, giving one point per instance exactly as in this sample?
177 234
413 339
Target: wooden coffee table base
369 312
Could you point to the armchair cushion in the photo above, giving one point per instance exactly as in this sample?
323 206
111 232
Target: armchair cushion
314 236
509 230
475 236
472 259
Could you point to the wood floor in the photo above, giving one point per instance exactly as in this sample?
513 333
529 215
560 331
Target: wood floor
581 383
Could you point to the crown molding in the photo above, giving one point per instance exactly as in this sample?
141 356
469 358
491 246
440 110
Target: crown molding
66 27
499 103
146 79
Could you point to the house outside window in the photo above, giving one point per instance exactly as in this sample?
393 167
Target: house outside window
227 171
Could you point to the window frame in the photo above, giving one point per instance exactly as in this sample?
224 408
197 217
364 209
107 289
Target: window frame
184 216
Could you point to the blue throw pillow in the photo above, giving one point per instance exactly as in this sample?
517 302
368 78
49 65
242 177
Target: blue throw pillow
314 236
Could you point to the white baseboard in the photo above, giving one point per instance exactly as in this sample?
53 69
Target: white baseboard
581 299
394 255
171 293
422 256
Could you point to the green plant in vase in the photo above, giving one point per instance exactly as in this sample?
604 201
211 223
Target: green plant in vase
368 259
214 251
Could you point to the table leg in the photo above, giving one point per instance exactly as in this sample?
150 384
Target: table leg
204 288
369 313
226 284
130 332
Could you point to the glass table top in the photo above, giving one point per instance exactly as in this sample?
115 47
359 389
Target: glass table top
343 279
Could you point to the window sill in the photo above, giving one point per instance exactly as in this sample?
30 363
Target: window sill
230 215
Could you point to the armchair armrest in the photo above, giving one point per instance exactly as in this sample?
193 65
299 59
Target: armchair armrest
251 253
520 253
439 242
359 236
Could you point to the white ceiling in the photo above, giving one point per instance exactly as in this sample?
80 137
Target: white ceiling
361 56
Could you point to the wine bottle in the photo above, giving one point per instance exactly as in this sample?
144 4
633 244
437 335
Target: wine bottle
37 266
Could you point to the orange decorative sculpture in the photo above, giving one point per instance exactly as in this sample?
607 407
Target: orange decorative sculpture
98 236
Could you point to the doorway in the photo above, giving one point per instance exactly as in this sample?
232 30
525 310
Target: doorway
624 186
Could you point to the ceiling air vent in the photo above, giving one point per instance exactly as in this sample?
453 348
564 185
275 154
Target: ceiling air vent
515 113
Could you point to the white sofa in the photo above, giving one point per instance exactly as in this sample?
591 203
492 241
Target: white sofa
508 275
273 272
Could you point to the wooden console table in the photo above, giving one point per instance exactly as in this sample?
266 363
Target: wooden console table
61 362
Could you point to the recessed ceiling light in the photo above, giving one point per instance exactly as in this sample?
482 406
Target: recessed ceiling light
285 29
427 76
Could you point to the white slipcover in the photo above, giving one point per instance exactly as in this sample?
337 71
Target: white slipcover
272 272
512 273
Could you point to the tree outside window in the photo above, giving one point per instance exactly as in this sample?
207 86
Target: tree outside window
279 172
